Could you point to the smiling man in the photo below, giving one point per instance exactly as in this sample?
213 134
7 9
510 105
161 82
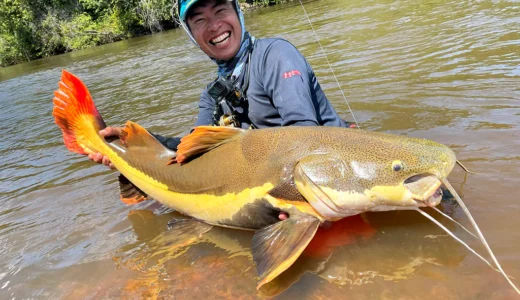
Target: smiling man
275 84
261 83
214 27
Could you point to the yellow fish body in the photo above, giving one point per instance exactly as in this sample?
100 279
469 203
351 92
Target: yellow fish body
244 178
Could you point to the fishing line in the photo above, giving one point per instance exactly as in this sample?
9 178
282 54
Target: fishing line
330 66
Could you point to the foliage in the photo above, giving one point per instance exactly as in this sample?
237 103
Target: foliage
51 40
152 12
80 32
32 29
261 2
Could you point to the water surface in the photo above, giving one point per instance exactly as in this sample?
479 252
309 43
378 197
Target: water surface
443 70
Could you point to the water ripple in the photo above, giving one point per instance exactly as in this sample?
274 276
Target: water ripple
444 70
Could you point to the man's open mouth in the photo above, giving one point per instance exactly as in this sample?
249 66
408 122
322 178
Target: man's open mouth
219 40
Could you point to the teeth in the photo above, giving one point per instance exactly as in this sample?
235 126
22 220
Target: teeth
220 38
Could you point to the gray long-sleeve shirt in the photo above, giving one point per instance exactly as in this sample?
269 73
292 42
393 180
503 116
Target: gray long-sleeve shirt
283 91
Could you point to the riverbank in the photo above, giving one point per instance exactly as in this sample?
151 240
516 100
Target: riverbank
31 30
430 71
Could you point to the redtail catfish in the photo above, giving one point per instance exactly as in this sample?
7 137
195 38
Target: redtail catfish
244 178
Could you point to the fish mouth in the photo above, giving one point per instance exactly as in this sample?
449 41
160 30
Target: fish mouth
425 189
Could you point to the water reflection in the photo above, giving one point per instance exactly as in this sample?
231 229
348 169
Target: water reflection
355 251
444 70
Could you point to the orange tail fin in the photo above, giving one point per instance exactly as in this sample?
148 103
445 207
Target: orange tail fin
76 115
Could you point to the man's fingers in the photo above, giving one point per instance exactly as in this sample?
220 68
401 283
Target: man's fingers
106 161
100 159
106 132
97 157
110 131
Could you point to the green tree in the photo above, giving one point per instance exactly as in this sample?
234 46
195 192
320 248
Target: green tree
32 29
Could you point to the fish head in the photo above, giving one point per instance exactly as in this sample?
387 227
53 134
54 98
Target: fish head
386 172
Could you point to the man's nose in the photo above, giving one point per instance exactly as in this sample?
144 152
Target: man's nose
214 24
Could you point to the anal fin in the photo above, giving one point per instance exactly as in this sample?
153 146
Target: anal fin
276 247
130 194
185 232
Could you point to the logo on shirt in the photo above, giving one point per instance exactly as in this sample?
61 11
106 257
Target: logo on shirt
291 74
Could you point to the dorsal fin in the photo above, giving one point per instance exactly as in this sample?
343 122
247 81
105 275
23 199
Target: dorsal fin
203 139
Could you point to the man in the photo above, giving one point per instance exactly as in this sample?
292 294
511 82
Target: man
261 82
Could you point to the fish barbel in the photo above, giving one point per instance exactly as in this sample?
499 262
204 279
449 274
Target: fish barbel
243 179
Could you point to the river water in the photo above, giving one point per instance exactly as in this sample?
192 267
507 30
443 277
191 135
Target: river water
443 70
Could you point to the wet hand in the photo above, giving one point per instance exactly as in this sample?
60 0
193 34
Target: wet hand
100 159
106 133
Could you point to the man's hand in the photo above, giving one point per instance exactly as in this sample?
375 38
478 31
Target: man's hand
106 133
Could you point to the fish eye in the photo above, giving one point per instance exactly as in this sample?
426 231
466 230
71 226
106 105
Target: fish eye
397 165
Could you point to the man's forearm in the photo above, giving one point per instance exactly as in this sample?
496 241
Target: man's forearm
168 142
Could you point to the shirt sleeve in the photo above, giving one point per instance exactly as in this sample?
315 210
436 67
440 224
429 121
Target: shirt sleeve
206 108
169 142
287 77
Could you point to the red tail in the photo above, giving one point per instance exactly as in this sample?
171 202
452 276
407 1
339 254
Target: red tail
75 113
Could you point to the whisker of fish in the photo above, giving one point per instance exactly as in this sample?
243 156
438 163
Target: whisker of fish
454 236
479 233
453 220
464 168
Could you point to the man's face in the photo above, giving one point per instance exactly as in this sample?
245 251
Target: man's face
216 29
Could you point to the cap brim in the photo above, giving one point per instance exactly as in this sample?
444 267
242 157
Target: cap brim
183 9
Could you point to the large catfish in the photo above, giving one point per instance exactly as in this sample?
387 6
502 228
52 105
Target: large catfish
244 178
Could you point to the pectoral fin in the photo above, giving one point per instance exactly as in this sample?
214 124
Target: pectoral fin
276 247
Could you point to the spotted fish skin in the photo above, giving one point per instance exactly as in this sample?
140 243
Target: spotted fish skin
336 171
245 178
236 177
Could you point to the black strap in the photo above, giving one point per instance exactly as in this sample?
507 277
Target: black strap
245 86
